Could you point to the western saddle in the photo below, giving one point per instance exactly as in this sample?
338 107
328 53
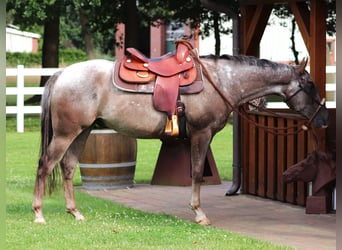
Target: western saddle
166 77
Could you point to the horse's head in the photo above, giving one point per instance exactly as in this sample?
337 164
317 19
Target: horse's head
303 97
304 170
319 167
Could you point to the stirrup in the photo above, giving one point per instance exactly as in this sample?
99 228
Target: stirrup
171 127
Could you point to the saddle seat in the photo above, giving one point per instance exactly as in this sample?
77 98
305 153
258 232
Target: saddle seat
166 77
166 65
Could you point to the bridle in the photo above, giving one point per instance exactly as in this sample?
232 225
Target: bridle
243 113
320 104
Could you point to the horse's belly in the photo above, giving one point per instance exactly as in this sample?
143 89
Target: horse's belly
134 115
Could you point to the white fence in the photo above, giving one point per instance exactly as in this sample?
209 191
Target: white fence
20 91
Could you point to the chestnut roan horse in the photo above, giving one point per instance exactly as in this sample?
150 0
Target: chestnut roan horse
82 93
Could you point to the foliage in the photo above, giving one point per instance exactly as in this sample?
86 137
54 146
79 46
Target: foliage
28 59
331 17
29 12
66 57
104 15
69 56
70 30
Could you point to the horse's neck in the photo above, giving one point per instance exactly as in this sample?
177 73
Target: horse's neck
249 82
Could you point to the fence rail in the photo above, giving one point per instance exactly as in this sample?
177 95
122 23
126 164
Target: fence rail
20 91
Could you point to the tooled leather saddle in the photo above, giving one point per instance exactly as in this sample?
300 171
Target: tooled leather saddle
166 77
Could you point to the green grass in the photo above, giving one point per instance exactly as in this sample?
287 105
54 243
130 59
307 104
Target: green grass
108 225
147 152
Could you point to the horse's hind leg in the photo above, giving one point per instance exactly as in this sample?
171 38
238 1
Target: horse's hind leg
68 165
47 162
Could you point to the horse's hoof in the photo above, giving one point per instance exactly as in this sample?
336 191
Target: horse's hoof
40 220
79 217
204 221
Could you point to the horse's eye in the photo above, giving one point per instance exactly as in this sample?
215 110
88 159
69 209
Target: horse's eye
302 80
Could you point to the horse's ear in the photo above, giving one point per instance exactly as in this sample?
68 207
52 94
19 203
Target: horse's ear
301 67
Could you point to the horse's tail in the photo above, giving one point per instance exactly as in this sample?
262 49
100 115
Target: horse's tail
46 129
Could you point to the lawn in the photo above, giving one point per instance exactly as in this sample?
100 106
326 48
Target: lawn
108 225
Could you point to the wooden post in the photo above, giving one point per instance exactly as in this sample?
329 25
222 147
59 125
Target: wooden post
157 41
173 166
120 41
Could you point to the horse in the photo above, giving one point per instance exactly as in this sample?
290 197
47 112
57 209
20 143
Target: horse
83 93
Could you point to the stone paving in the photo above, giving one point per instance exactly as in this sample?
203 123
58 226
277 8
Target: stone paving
260 218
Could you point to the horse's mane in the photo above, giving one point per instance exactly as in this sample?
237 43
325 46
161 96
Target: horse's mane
249 60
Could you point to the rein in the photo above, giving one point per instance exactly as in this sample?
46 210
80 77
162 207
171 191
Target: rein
243 113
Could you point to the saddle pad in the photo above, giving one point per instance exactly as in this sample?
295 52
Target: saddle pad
148 87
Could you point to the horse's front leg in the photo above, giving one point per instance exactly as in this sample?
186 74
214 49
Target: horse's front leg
199 150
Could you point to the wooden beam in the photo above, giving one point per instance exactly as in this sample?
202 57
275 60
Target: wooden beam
302 15
255 19
318 44
318 54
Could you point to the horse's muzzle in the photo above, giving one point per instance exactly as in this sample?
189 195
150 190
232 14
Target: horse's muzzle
322 118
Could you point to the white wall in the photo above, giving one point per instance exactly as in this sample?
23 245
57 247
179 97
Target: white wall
19 41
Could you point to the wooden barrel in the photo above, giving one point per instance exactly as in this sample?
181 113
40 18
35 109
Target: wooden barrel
108 160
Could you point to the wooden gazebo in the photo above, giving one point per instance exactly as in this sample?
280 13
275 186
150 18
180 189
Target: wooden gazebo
261 158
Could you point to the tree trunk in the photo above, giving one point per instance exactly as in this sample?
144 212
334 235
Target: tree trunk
217 33
136 35
50 55
87 36
293 46
131 24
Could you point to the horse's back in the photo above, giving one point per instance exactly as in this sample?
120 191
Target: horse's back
84 77
86 70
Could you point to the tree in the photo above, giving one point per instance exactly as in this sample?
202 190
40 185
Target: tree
214 21
98 20
46 13
191 12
